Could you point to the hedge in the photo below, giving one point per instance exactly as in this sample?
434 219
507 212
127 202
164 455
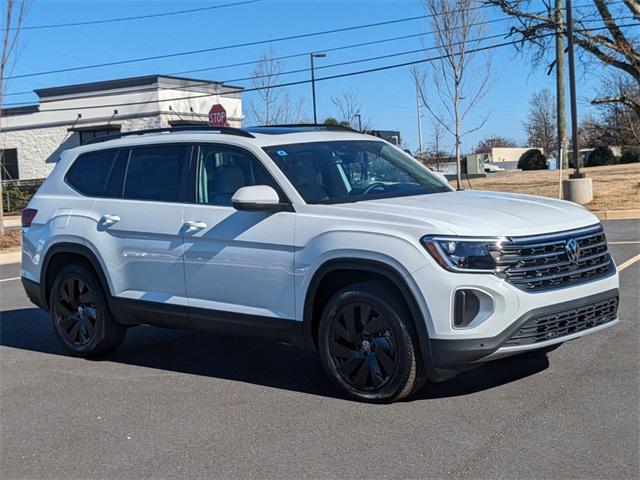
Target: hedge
532 160
600 156
630 155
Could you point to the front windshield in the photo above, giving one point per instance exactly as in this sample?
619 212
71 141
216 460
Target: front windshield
351 171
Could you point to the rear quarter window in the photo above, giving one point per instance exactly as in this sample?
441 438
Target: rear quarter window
89 172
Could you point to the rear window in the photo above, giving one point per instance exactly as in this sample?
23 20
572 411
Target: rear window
156 173
89 172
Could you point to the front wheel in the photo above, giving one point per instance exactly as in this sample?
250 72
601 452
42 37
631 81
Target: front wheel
367 345
81 317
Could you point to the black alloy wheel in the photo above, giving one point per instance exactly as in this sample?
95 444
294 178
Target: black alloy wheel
82 319
367 343
76 311
363 346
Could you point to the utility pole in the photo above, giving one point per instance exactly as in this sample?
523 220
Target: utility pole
313 82
572 95
561 101
578 188
419 121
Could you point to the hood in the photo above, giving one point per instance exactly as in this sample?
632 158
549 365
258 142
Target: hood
481 213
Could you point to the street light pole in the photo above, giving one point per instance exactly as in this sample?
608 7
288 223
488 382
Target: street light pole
359 121
578 187
572 95
313 82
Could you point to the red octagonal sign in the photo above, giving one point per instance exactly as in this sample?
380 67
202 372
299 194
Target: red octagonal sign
217 116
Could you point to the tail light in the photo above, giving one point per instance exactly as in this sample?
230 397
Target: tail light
28 214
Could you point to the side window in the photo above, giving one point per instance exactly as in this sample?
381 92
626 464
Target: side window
156 173
89 172
222 170
116 177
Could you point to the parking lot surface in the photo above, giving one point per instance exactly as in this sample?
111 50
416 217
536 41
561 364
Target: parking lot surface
176 404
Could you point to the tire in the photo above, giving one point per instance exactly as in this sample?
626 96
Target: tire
81 317
367 343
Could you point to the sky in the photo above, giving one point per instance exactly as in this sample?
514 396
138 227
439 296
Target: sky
387 98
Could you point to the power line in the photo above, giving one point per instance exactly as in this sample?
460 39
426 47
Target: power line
330 77
343 47
375 42
205 83
126 19
381 57
259 42
237 45
299 55
324 66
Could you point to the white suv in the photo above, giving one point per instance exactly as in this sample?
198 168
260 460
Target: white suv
316 236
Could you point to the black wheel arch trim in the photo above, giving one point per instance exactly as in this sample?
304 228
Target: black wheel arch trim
77 249
379 268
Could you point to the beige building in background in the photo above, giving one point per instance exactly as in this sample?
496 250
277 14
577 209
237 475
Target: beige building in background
509 154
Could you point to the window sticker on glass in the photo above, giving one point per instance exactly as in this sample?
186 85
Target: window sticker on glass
282 153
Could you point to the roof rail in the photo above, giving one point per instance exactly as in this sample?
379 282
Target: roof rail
321 126
182 128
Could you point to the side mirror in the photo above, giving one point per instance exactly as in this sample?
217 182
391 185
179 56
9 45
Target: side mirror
258 198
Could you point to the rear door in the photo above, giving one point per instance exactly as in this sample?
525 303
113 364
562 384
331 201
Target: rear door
235 262
137 232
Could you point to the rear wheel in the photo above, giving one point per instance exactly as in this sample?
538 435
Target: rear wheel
81 317
367 344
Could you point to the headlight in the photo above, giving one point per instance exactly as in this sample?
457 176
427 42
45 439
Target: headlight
460 254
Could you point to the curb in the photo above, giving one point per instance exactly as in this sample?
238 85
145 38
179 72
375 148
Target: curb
618 214
13 221
8 258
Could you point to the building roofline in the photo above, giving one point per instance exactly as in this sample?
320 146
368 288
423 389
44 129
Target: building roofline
121 83
24 110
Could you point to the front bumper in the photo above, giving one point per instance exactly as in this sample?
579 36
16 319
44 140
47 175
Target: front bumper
569 320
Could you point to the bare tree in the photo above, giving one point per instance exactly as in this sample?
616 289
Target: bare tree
348 106
435 154
14 15
540 126
274 105
605 33
590 132
462 76
618 96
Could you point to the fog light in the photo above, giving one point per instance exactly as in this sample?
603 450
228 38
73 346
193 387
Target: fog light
466 307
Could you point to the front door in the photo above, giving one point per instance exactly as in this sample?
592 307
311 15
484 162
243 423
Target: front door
238 265
139 232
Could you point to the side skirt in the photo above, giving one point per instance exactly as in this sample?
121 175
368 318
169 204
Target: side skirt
137 312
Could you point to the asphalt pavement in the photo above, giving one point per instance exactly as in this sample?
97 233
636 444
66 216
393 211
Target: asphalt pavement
176 404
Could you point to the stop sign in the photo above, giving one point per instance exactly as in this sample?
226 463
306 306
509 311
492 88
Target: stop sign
217 116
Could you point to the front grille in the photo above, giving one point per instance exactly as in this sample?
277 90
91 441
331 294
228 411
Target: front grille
547 327
543 263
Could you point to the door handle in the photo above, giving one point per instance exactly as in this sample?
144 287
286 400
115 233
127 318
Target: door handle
109 219
195 225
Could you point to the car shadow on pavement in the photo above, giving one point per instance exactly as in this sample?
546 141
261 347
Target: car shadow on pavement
252 361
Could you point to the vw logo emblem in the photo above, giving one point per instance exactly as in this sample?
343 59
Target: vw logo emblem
573 251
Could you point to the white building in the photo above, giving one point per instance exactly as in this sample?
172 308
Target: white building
32 137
